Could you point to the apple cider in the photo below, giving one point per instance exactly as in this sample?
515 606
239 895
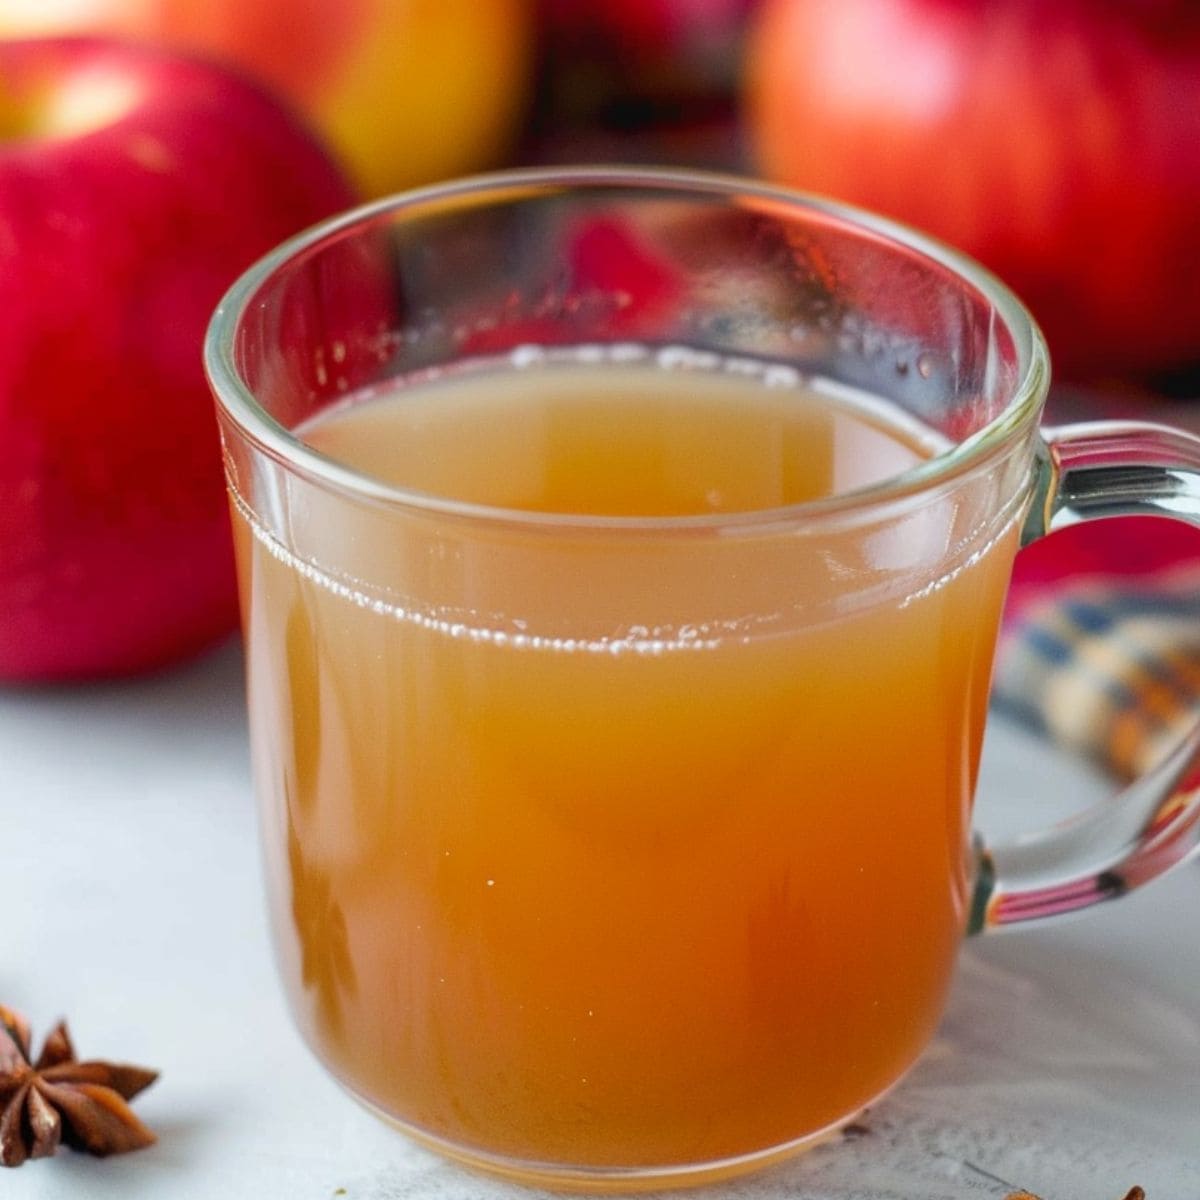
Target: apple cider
594 844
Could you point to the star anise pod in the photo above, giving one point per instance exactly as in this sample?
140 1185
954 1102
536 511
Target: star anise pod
58 1098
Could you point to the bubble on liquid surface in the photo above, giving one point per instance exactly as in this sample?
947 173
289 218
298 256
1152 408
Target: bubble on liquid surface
527 356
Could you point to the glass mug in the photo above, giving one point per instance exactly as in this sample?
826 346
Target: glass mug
622 557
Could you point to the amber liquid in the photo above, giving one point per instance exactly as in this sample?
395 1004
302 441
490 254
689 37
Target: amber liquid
617 893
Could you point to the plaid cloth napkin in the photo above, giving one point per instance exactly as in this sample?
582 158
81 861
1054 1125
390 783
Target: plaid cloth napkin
1101 646
1106 665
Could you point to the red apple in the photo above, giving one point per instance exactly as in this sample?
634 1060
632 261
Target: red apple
1058 141
134 187
656 76
405 91
686 47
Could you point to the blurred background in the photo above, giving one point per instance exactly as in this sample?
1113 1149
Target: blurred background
1057 143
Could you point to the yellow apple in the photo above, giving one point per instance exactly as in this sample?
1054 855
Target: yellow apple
405 91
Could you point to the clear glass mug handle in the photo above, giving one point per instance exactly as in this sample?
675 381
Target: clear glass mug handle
1089 471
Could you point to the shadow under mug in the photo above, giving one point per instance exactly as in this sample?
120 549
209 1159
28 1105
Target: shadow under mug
616 852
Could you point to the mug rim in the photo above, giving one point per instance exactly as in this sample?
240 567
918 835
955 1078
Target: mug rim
236 400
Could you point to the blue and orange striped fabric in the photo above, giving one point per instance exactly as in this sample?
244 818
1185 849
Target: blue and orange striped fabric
1107 667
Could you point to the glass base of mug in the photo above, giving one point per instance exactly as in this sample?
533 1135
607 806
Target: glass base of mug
610 1180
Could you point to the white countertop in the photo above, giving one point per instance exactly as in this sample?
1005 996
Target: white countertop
1068 1064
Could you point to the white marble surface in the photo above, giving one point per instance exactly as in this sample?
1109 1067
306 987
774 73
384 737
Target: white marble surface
1068 1064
